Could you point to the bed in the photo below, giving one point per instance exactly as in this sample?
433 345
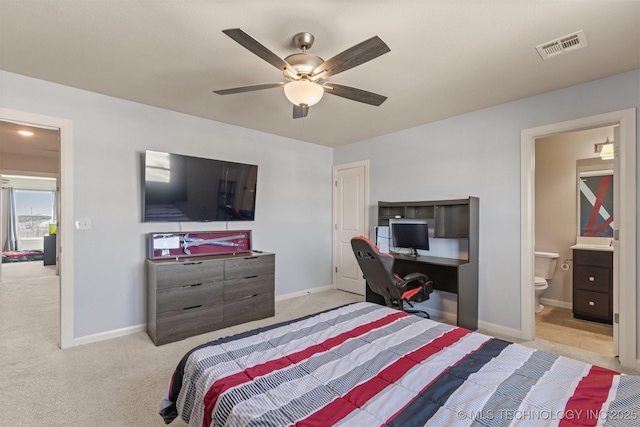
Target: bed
363 364
19 256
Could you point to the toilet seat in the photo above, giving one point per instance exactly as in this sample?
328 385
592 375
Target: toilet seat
539 282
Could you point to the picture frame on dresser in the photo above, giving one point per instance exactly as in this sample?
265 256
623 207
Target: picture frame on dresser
168 245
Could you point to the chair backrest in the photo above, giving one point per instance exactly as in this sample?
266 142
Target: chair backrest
377 268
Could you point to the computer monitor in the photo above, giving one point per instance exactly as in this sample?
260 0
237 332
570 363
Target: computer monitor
410 235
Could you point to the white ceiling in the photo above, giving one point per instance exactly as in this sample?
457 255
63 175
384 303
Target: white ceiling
447 57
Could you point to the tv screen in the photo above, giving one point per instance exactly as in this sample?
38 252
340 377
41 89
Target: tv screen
410 235
185 188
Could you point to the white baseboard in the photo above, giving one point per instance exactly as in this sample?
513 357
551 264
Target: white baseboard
441 316
489 328
556 303
303 293
486 327
116 333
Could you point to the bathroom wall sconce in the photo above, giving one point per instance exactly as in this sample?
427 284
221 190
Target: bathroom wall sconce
605 149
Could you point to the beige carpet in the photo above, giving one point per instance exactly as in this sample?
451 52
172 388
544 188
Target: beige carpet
118 382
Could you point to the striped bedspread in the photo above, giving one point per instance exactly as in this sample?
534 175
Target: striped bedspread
367 365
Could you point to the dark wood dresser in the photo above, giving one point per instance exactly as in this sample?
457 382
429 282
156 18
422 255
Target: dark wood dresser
191 296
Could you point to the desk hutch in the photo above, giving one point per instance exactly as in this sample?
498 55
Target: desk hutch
454 219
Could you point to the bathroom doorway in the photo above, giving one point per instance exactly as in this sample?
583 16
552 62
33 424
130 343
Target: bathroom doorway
624 264
563 162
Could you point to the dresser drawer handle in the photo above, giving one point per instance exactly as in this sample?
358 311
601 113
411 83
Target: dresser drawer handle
591 303
250 296
192 286
592 279
251 257
195 306
192 263
251 277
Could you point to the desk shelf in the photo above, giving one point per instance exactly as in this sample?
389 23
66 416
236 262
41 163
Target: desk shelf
454 219
393 210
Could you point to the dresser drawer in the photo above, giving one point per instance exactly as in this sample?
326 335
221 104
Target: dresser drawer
188 296
179 324
238 268
591 304
242 288
596 279
188 273
247 309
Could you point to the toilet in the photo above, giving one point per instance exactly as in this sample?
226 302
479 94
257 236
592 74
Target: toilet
544 269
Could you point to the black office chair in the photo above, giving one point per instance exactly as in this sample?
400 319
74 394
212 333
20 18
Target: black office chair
398 292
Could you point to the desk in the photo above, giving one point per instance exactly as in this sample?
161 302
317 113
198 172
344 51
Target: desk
456 276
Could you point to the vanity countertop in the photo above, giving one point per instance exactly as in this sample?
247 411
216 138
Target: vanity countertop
586 247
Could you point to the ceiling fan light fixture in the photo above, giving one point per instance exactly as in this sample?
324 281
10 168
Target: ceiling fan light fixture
303 92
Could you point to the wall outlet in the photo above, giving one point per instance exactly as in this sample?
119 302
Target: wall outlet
83 223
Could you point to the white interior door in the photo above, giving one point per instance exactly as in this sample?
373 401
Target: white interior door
351 201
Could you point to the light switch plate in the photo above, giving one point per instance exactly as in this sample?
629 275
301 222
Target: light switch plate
83 223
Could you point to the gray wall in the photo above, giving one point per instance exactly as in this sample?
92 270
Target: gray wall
474 154
478 154
293 209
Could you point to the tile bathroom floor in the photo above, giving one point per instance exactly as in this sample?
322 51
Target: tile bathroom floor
558 325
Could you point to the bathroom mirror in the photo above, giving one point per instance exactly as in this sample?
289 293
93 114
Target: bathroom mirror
595 198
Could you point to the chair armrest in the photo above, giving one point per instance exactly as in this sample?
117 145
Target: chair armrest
415 287
415 276
410 281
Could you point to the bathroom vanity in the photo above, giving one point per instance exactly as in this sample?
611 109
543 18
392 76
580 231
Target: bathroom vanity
593 284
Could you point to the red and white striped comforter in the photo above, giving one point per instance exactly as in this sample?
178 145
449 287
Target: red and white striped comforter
365 365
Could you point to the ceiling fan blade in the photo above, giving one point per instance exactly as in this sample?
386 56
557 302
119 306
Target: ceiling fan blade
300 111
355 55
354 94
248 88
256 48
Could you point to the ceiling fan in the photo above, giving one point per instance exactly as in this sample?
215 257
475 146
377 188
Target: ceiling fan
305 73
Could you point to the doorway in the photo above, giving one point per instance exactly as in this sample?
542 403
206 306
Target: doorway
625 260
574 203
64 234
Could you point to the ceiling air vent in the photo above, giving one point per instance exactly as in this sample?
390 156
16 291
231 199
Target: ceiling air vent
573 41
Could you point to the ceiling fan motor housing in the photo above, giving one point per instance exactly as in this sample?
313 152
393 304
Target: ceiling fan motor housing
304 63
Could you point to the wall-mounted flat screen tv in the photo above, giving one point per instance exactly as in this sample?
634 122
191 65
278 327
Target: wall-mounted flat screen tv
185 188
